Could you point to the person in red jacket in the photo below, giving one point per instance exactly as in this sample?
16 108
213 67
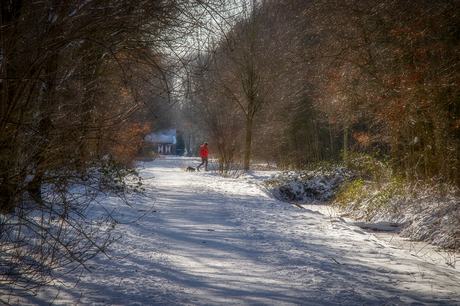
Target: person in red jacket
204 153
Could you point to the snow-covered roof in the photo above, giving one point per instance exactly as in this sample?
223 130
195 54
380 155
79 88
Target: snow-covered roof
163 136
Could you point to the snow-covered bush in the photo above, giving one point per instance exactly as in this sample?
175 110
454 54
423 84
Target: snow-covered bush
118 179
437 221
320 182
302 186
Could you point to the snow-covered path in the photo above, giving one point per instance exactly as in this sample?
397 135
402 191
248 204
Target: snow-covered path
216 241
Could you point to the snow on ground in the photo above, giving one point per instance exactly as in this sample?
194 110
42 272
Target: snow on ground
207 240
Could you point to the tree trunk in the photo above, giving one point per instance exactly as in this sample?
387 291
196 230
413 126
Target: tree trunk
247 153
345 142
10 12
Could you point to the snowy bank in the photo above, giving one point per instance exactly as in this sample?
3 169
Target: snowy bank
424 213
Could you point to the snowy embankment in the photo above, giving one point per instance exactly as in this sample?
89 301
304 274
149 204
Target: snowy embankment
207 240
425 211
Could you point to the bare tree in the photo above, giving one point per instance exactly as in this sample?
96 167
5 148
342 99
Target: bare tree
243 73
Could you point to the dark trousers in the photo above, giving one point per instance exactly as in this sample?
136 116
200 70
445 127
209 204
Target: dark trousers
204 160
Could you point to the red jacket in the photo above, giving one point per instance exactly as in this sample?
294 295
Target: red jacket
204 152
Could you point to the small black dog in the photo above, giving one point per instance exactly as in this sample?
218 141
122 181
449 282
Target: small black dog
190 169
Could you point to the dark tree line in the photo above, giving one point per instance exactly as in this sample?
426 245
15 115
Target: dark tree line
333 77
